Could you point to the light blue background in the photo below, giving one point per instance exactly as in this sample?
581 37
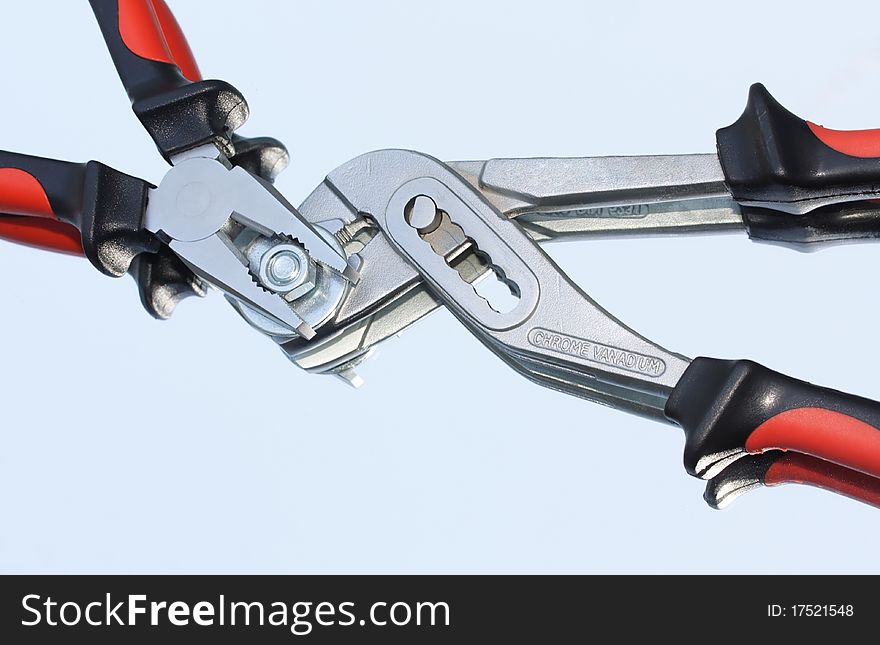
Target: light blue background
130 445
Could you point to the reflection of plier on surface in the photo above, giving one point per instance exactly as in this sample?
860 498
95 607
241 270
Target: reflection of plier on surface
392 235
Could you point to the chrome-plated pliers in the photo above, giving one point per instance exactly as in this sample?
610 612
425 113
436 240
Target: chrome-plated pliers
392 235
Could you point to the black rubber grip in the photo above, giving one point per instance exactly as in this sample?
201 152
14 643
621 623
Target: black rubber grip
773 159
105 205
828 225
732 408
179 114
261 156
164 281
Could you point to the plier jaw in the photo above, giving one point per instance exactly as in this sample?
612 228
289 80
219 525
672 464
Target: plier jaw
204 204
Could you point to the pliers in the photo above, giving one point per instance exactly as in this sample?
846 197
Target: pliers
392 235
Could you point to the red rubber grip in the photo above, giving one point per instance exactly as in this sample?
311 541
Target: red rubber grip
21 194
149 30
794 468
855 143
832 436
46 234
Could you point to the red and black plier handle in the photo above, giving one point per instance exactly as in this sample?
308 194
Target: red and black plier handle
93 210
746 426
40 200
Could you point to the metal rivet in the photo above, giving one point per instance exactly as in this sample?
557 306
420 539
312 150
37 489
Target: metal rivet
423 214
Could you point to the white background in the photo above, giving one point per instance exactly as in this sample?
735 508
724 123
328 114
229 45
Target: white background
130 445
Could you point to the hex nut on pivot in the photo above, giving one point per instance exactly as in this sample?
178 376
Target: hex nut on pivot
287 269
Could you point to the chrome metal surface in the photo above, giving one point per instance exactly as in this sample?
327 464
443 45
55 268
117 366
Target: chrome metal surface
423 214
317 298
391 295
202 203
429 262
206 151
685 217
557 336
596 196
519 185
287 268
387 299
